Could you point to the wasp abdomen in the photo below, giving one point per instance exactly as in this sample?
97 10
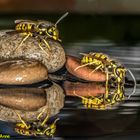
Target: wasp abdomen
24 27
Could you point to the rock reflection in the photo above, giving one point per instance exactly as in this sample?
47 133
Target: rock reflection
83 89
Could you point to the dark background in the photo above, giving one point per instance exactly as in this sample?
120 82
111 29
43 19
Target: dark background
111 27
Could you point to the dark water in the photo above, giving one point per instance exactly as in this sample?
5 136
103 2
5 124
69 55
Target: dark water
114 37
78 122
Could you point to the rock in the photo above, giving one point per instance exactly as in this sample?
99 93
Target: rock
55 101
53 59
22 72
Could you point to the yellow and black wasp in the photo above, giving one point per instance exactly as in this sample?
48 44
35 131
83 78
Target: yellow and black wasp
42 30
36 128
113 70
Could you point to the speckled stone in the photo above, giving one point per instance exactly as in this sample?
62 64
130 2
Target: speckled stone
53 59
55 101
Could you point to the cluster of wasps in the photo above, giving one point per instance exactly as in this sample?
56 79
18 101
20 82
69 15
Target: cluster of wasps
41 31
115 74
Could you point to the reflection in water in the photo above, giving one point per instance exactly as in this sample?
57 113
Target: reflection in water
121 119
92 64
83 89
111 121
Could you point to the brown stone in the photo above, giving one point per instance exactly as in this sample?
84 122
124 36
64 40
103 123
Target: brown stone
22 72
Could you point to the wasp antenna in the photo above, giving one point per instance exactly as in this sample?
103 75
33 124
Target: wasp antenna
81 66
56 120
135 83
74 93
62 17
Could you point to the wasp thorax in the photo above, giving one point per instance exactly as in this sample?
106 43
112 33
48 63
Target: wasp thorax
49 30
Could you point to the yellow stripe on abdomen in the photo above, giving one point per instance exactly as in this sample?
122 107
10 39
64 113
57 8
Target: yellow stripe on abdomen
24 27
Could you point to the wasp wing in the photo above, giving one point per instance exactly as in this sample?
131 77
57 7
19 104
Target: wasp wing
25 21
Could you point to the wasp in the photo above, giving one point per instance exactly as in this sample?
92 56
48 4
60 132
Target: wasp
37 128
42 30
114 72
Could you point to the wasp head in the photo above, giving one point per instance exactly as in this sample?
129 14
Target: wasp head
53 32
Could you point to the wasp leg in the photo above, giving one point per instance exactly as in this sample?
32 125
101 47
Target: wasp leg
50 130
59 40
45 120
84 100
47 44
39 44
78 95
83 65
38 117
22 120
25 38
95 69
